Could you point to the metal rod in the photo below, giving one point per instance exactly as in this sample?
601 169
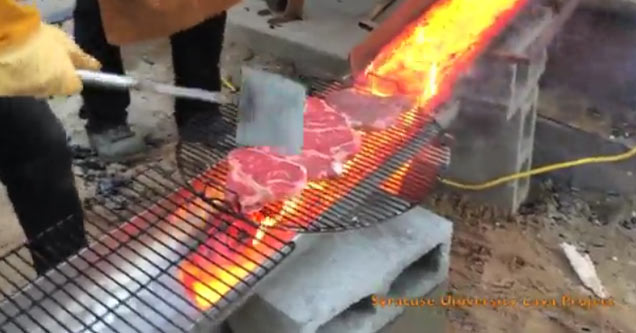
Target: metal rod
107 80
122 82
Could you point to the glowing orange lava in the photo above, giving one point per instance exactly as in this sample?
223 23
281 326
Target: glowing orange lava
426 58
424 61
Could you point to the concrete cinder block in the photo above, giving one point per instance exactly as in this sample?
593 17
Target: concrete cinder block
528 125
488 146
502 82
496 77
330 288
527 80
490 80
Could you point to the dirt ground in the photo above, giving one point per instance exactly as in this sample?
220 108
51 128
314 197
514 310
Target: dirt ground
507 259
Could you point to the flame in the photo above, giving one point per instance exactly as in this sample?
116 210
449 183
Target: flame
270 221
211 291
227 258
423 62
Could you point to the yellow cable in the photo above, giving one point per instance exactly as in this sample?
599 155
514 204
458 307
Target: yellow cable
228 84
587 160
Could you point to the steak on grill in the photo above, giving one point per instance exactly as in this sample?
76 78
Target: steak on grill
367 111
258 176
329 141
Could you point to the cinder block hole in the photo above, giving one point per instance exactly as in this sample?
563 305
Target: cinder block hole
524 183
522 77
361 308
526 165
420 269
529 121
537 66
364 305
530 77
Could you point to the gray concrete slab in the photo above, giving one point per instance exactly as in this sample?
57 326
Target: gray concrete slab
317 45
330 286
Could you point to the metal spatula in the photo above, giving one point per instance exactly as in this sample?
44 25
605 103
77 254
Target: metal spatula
270 106
271 111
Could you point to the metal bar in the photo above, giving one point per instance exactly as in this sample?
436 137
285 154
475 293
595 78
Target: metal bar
123 82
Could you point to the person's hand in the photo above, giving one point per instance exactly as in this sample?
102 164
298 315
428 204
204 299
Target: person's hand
44 65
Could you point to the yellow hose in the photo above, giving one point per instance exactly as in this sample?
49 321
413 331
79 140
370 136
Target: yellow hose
545 169
228 84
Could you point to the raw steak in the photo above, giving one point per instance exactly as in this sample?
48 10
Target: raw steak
368 111
259 176
329 141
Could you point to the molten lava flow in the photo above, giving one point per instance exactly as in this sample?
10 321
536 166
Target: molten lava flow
426 58
424 61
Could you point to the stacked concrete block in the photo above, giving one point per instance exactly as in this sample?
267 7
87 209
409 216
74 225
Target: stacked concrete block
494 130
332 287
488 145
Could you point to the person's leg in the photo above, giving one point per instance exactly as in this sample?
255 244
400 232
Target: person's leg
196 54
104 109
35 167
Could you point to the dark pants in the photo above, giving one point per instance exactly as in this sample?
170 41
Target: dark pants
35 167
196 54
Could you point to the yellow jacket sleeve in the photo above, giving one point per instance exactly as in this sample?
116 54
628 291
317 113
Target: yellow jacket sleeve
17 22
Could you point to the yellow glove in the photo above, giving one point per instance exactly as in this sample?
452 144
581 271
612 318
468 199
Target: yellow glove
43 65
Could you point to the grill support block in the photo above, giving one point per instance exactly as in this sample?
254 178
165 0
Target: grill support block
495 128
329 286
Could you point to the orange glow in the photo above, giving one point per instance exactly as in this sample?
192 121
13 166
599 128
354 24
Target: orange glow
424 61
426 58
396 178
268 222
226 258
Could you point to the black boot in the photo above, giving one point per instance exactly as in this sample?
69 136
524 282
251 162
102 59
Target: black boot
116 144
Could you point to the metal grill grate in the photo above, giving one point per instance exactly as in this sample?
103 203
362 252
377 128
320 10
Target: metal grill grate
359 198
177 264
